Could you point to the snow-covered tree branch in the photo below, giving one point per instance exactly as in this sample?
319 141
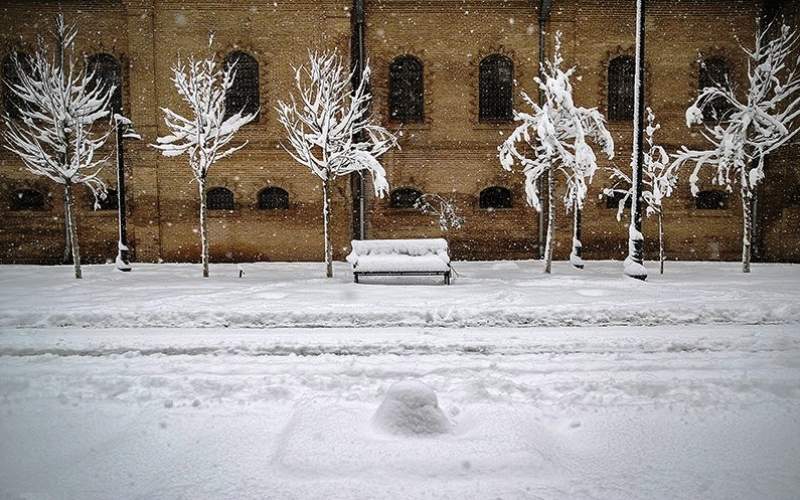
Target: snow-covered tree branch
205 134
750 128
553 138
445 211
330 129
58 105
659 181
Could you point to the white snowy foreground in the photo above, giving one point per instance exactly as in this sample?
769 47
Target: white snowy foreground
502 293
708 412
131 386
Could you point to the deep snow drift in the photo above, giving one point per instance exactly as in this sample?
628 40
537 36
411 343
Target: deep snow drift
506 293
708 412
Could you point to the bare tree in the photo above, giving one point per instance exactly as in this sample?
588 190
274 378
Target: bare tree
58 105
206 133
746 131
556 133
331 132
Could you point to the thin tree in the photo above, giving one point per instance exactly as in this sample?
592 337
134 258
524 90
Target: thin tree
553 138
331 132
445 210
58 104
204 135
747 130
659 181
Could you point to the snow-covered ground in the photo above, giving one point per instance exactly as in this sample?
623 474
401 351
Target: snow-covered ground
618 412
697 395
484 294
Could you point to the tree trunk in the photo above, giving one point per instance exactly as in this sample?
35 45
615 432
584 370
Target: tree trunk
72 231
201 185
661 255
67 258
575 257
747 225
551 223
326 230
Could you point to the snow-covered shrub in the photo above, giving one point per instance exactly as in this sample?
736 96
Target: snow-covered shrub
330 129
205 134
445 211
55 133
554 138
748 129
411 408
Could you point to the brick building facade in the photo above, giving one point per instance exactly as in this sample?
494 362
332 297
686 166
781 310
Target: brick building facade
450 150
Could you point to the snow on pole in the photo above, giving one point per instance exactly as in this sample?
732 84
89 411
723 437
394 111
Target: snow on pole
634 263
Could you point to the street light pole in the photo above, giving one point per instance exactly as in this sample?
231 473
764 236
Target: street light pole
634 263
123 130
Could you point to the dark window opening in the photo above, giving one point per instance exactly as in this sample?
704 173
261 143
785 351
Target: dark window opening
406 91
12 65
106 72
621 77
714 72
495 197
711 200
244 94
27 199
273 198
219 198
110 202
404 198
495 89
613 200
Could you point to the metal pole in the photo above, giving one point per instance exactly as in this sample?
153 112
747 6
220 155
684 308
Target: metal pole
123 253
358 61
634 263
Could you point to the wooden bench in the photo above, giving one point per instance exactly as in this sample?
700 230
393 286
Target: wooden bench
422 257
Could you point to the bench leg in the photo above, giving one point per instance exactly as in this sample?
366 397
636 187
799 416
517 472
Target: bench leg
355 277
447 278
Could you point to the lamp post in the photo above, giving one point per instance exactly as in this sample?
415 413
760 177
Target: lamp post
634 263
123 130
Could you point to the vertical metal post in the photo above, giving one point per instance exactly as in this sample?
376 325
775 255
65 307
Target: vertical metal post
123 252
634 263
357 63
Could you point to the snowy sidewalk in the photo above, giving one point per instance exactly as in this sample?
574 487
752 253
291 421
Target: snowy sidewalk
706 412
505 293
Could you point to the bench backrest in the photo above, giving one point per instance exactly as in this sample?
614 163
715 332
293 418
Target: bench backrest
412 248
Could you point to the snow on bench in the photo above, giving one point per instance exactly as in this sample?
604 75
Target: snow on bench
420 257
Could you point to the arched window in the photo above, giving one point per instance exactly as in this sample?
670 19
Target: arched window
495 197
615 198
12 64
406 92
110 202
244 94
495 89
714 72
27 199
107 71
711 200
273 198
621 76
219 198
404 198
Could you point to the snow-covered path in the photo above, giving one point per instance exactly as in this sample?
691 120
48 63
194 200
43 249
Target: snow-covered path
644 412
502 293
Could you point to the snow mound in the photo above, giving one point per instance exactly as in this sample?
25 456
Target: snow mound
411 408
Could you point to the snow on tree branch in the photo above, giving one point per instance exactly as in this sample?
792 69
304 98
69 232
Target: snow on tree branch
58 104
751 128
445 210
660 176
205 135
329 127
